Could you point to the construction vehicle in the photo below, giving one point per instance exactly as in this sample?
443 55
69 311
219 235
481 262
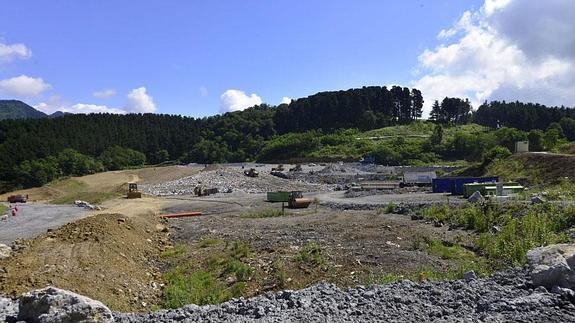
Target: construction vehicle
200 191
133 192
251 172
297 168
297 201
279 168
19 198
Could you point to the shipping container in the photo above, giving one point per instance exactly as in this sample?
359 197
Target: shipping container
278 196
454 185
418 178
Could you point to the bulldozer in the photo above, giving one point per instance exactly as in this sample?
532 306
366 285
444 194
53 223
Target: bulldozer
251 173
133 192
297 201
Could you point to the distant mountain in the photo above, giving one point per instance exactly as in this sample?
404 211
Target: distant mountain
14 109
58 114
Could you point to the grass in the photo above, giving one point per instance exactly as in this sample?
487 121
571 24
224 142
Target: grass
3 208
508 231
75 190
223 275
269 213
311 255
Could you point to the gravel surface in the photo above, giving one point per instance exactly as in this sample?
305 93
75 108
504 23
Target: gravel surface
504 297
33 219
229 180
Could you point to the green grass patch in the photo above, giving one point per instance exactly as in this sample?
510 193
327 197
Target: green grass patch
90 197
311 254
208 242
215 279
3 209
507 231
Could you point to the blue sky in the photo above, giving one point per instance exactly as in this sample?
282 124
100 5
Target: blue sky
183 57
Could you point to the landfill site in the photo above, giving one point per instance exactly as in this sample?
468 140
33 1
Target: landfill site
326 242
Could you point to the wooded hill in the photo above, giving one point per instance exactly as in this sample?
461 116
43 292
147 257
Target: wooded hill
33 151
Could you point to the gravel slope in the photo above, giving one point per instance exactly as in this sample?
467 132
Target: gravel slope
504 297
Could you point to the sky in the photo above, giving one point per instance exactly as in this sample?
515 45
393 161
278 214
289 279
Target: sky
201 58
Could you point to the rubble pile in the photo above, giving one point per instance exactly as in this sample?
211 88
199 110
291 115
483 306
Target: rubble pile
229 180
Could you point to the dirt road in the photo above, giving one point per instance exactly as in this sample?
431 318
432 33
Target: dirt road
34 219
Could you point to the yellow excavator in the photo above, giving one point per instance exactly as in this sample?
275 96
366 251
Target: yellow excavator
133 192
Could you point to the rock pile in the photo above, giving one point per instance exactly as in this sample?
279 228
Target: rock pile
87 205
505 297
228 180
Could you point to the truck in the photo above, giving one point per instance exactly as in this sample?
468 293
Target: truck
17 198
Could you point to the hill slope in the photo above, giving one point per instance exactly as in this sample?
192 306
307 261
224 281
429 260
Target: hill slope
14 109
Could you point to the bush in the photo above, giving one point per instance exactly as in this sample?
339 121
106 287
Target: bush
116 158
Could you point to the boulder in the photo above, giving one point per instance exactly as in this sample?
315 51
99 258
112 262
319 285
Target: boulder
8 308
538 199
5 251
56 305
553 265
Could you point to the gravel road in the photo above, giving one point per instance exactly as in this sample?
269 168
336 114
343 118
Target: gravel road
505 297
33 219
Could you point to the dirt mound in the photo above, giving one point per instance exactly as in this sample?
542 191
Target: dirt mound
108 257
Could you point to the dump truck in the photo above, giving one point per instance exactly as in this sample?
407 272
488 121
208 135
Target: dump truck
297 201
133 192
251 172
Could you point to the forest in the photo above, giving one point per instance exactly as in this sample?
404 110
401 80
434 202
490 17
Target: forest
36 151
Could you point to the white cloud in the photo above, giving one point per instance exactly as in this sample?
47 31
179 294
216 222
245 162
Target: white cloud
92 108
507 50
140 102
14 51
285 100
104 94
23 86
236 100
204 91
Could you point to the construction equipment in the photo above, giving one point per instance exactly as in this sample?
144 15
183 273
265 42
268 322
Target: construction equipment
200 191
19 198
279 168
297 201
133 192
297 168
251 172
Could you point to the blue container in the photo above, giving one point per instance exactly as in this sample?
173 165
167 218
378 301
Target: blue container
441 184
454 185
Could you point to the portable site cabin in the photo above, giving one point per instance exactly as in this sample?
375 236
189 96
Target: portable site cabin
418 178
454 185
279 196
490 189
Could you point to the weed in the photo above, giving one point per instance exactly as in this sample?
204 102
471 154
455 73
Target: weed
279 274
3 208
240 250
270 213
176 252
242 271
208 242
311 254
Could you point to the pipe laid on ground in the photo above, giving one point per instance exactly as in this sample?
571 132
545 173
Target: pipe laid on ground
180 215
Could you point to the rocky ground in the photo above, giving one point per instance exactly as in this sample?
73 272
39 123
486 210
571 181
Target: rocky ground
507 296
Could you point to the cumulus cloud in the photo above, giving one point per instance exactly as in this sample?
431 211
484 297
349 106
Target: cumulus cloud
507 50
104 94
236 100
11 52
23 86
140 102
285 100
